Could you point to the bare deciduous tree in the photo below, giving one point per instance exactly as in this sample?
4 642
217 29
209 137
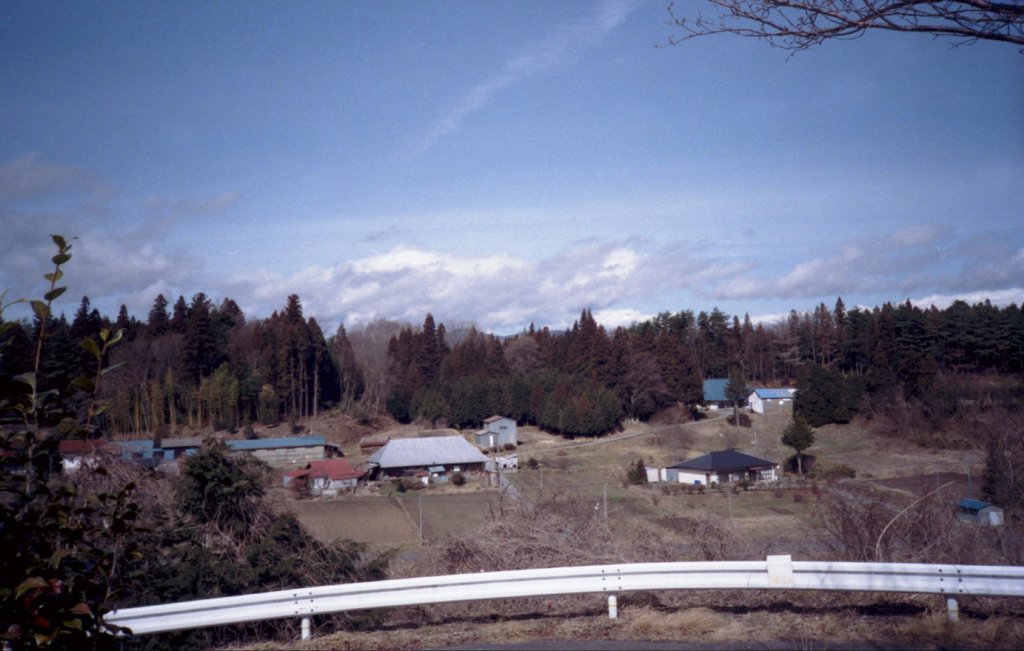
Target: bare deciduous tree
802 24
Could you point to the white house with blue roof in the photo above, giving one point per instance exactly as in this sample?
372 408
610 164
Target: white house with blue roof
771 401
714 393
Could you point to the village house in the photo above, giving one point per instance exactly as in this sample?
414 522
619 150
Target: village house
326 477
78 454
276 452
434 457
498 432
176 448
286 452
714 393
724 467
771 401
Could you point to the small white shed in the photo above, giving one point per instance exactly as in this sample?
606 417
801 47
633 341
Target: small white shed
979 512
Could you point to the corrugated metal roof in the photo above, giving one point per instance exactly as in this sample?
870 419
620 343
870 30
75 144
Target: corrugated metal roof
972 504
774 394
81 446
183 442
284 442
714 390
334 469
135 445
426 451
723 460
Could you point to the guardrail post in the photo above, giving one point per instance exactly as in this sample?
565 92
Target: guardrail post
306 626
780 570
952 611
613 607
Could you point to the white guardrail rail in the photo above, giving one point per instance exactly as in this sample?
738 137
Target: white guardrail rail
776 572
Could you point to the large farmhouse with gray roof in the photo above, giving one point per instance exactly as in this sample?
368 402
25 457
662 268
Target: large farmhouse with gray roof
437 455
725 466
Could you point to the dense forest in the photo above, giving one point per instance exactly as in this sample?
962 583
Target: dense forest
198 364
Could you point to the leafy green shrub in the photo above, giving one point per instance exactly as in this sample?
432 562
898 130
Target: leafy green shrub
63 552
458 479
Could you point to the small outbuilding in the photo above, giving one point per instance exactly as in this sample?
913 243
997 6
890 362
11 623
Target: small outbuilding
714 393
176 448
78 453
326 477
498 432
771 401
979 512
724 467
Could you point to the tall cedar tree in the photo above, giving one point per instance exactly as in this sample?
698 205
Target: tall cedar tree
799 436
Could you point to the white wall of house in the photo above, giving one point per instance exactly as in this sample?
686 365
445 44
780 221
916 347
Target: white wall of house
693 477
505 429
760 405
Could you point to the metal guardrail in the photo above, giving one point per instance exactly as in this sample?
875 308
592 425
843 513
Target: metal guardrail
776 572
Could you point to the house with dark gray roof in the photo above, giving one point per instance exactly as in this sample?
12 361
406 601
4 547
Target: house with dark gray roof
725 466
436 455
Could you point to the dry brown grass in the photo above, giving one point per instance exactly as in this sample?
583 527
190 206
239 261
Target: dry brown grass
712 625
645 623
571 530
998 632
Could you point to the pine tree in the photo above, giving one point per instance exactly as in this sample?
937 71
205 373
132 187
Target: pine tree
158 322
799 436
179 316
736 391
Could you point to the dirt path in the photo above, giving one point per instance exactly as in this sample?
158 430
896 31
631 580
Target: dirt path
616 438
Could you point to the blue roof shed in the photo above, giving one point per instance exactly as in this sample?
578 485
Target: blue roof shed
277 443
714 390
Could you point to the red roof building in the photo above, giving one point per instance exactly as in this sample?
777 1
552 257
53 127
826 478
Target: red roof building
326 475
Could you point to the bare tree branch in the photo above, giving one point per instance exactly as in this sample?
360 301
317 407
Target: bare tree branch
802 24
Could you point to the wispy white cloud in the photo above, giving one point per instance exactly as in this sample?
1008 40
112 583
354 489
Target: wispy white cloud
562 47
33 177
905 261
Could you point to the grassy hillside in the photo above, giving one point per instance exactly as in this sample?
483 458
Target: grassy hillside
555 515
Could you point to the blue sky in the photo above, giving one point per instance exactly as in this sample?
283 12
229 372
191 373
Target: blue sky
499 163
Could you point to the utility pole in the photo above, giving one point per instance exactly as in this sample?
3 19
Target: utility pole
606 505
421 518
